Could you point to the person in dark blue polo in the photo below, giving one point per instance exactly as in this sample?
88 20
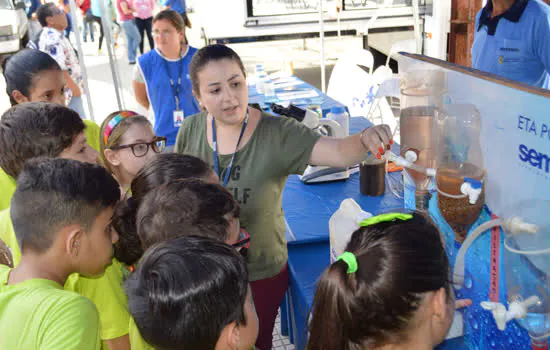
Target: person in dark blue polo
512 39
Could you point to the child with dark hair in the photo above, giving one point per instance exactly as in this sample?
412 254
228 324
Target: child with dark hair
192 208
127 143
34 76
61 211
160 170
390 289
40 129
192 293
168 203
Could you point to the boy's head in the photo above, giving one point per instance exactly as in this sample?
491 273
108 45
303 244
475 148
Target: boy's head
188 207
160 170
192 293
41 129
66 205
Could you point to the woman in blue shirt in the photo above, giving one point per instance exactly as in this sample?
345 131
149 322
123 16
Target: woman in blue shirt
161 77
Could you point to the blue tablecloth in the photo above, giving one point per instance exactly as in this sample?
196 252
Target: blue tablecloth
323 100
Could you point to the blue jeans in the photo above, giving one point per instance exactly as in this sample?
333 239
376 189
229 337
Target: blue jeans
88 24
132 39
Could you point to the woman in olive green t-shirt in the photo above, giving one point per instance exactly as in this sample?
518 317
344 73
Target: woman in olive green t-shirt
253 154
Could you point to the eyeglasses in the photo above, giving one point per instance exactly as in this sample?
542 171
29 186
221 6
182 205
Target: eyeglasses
243 242
141 149
163 34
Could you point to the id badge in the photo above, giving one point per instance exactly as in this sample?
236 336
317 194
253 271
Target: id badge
178 118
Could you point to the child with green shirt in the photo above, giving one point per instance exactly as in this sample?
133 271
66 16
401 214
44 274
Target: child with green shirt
40 129
33 76
192 293
61 211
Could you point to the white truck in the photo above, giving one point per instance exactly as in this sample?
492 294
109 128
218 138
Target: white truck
14 26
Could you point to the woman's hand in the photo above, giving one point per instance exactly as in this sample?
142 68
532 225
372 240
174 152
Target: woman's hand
334 152
377 139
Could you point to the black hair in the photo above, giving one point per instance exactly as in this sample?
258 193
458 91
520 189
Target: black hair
207 54
185 291
21 69
45 11
397 262
36 129
161 169
53 193
188 207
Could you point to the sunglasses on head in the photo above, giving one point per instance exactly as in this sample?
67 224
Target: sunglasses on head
243 242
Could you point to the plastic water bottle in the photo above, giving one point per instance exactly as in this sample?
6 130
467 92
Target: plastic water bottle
269 88
260 82
339 115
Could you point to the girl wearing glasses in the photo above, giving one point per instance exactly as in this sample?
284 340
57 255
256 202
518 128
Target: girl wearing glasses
127 142
161 77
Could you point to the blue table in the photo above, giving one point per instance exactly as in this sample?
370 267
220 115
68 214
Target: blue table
308 209
323 100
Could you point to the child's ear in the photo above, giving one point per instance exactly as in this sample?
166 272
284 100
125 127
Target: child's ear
442 306
19 97
73 243
112 157
231 336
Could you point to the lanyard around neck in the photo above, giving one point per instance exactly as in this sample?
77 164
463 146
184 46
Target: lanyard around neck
176 88
215 142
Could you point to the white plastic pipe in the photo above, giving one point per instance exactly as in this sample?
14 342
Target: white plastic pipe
514 225
458 272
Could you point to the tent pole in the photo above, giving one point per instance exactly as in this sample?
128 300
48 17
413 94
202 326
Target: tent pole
322 42
72 6
106 22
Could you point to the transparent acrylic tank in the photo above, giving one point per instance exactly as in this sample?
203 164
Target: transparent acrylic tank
459 160
527 268
480 330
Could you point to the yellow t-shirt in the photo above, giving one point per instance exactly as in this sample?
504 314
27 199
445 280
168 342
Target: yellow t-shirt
7 187
136 341
106 292
39 314
92 133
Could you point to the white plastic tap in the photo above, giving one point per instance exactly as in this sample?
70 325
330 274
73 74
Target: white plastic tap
411 156
518 309
472 193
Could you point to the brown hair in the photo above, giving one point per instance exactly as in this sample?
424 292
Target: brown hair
36 129
114 137
160 170
173 17
207 54
185 207
397 262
